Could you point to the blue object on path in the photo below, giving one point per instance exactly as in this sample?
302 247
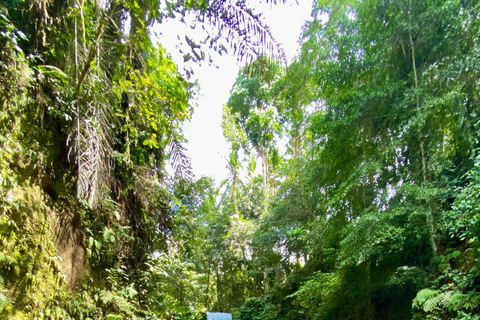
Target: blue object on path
219 316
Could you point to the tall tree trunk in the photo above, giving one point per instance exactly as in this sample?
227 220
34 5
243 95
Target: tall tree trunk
265 280
207 306
219 286
370 310
429 214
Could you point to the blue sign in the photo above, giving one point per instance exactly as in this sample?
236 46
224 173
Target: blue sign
219 316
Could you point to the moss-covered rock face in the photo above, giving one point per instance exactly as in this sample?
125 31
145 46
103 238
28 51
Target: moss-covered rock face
29 264
82 250
42 257
33 273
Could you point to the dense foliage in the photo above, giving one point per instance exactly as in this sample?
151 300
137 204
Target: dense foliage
372 211
91 225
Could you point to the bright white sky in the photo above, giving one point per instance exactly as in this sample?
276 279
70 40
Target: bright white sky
206 146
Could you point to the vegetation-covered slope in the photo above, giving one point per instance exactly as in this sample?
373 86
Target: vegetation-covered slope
90 114
371 213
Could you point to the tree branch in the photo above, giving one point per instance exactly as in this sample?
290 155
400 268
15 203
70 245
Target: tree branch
90 57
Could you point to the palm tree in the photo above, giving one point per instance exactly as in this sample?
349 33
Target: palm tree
125 24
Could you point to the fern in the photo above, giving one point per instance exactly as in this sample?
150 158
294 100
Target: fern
125 306
428 300
456 299
423 296
471 303
431 304
440 300
445 298
106 296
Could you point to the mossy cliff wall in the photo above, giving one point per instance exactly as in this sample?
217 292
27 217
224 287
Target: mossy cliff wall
41 246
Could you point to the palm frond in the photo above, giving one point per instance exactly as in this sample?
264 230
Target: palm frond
180 162
248 36
91 136
92 146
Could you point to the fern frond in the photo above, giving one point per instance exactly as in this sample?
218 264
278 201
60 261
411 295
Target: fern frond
423 296
472 303
126 307
432 303
106 296
123 304
445 298
428 299
455 301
